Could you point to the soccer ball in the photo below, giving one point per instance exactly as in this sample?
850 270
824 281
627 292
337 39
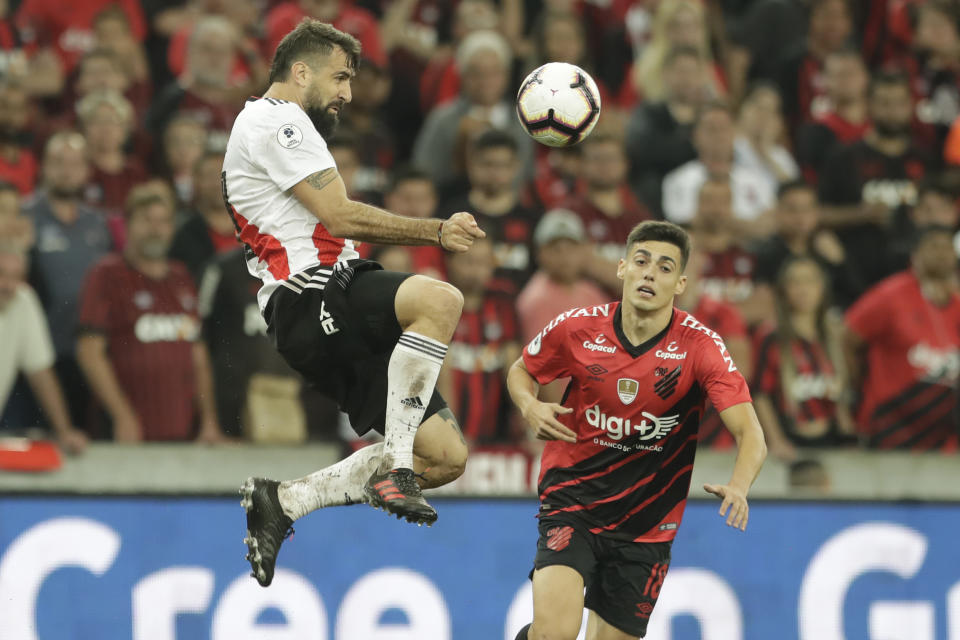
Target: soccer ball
558 104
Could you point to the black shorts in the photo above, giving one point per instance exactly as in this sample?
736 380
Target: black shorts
340 338
622 579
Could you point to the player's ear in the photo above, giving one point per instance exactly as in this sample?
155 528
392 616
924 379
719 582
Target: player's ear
300 72
681 286
621 265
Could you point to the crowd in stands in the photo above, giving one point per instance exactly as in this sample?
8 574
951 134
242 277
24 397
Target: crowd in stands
811 147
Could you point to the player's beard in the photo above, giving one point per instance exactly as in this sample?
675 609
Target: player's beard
154 247
324 119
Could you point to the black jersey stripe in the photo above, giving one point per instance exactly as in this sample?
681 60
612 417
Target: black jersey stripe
679 475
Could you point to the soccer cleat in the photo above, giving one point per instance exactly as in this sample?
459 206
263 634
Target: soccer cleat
267 526
397 492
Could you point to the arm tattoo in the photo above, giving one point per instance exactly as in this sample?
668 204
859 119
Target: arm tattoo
320 179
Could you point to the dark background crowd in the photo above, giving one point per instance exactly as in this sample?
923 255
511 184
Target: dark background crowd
811 147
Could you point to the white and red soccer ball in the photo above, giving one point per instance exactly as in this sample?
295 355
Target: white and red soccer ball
558 104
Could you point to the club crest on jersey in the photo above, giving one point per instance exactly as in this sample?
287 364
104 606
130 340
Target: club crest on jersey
289 136
627 390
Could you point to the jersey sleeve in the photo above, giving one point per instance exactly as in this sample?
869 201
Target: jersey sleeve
718 375
547 356
869 315
289 147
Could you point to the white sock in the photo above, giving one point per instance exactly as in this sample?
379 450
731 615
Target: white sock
411 377
336 485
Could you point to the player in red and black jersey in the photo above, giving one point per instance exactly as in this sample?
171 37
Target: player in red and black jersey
616 470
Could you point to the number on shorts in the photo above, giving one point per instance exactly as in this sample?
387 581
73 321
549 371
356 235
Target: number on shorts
657 573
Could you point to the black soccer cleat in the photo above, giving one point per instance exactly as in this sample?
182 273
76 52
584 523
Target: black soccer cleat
267 526
397 492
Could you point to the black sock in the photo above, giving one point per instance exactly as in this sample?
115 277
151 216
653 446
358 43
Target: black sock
523 633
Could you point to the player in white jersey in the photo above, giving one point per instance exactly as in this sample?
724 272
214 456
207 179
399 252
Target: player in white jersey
373 340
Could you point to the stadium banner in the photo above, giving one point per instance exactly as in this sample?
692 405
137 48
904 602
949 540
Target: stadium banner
76 568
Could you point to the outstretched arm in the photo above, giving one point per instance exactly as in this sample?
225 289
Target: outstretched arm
325 196
742 422
541 416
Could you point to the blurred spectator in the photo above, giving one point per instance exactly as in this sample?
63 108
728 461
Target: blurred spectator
492 196
798 234
16 229
809 475
713 137
761 132
800 73
102 70
18 165
184 143
938 43
208 229
484 345
440 81
342 14
485 101
843 118
364 121
800 386
204 90
113 31
139 343
346 153
864 184
936 205
726 320
69 28
71 237
757 40
38 69
411 193
676 23
248 63
248 372
556 173
560 37
107 120
26 348
559 283
727 270
606 205
659 131
907 354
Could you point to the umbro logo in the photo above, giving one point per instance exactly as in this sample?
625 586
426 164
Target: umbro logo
595 369
413 402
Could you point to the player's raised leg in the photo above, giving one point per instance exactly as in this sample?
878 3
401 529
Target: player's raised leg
600 629
428 312
557 604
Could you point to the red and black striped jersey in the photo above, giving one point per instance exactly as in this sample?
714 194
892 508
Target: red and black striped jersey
913 361
477 359
150 327
636 412
812 391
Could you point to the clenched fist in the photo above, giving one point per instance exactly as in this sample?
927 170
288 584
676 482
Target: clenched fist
459 231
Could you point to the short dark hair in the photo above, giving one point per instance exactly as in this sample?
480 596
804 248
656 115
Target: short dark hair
8 186
407 173
103 54
660 231
146 195
797 184
311 37
923 232
493 139
889 78
711 106
681 51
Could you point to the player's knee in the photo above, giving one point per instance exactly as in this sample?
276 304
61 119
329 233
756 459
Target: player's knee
452 464
445 300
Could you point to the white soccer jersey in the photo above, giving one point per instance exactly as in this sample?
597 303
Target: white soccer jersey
273 146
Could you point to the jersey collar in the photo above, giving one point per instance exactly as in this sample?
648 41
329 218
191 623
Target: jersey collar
638 350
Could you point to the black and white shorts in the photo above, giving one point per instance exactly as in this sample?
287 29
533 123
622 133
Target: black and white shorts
337 328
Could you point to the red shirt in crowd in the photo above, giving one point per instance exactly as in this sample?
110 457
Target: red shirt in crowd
356 21
20 170
477 360
68 26
108 191
150 327
609 233
728 275
636 413
913 359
